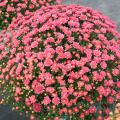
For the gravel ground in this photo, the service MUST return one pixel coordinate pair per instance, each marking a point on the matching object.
(108, 7)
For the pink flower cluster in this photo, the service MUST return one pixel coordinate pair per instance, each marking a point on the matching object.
(10, 9)
(62, 60)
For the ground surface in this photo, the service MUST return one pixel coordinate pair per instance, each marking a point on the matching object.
(110, 8)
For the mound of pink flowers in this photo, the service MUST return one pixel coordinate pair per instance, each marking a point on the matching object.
(61, 62)
(10, 9)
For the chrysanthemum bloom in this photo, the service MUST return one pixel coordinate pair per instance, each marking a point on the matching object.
(10, 9)
(62, 62)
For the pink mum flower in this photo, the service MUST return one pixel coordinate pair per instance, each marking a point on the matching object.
(39, 89)
(56, 100)
(103, 65)
(37, 107)
(92, 109)
(116, 72)
(46, 100)
(118, 84)
(32, 99)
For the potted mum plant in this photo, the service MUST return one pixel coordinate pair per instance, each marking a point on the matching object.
(61, 62)
(10, 9)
